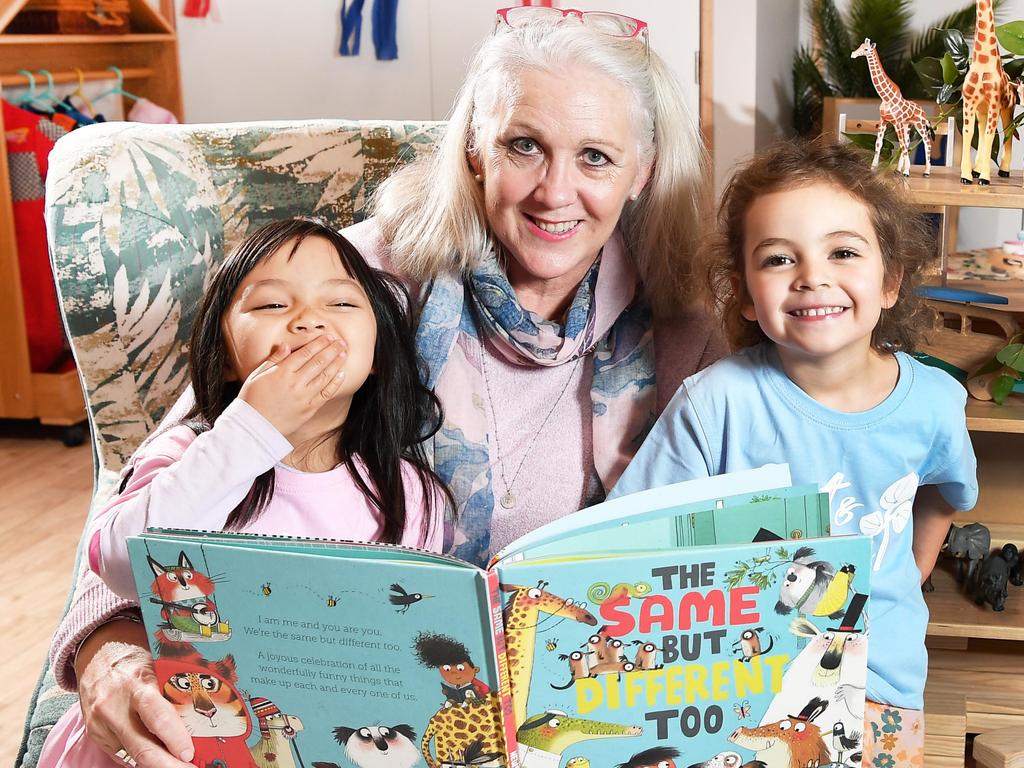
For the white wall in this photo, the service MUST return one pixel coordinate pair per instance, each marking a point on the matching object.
(267, 59)
(979, 227)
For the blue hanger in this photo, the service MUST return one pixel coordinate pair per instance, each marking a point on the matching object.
(117, 89)
(29, 98)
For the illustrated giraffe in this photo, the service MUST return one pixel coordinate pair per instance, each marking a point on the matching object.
(987, 94)
(900, 112)
(466, 735)
(521, 615)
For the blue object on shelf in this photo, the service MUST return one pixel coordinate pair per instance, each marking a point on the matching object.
(962, 295)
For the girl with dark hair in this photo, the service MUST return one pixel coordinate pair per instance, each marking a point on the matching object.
(309, 414)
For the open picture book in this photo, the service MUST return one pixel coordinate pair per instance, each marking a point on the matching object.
(711, 622)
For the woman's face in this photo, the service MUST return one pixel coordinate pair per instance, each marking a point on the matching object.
(556, 172)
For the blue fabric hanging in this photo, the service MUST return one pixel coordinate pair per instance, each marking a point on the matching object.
(385, 20)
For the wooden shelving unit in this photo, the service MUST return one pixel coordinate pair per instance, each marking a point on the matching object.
(976, 656)
(148, 57)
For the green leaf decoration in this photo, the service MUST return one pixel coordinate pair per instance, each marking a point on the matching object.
(929, 70)
(1011, 37)
(1012, 356)
(957, 48)
(950, 73)
(990, 367)
(1002, 388)
(1014, 68)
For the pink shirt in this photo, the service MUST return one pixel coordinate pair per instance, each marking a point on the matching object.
(184, 480)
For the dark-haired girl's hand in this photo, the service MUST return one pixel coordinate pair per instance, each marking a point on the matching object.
(290, 386)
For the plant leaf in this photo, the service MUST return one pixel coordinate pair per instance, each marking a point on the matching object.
(1001, 388)
(956, 46)
(1014, 68)
(950, 73)
(1011, 37)
(1012, 356)
(847, 76)
(929, 70)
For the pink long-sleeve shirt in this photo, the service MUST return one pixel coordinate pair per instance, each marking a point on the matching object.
(183, 480)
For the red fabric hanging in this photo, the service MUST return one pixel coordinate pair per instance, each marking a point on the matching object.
(196, 9)
(30, 138)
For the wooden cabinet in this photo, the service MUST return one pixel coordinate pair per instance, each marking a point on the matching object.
(976, 656)
(148, 58)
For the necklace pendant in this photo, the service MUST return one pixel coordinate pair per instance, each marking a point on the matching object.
(508, 500)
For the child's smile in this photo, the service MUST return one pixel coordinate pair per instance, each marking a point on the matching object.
(813, 272)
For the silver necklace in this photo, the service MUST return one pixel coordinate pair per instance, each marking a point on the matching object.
(508, 499)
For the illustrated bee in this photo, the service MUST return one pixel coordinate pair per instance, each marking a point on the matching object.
(551, 644)
(331, 601)
(742, 709)
(266, 588)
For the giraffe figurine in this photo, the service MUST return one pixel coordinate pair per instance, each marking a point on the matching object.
(902, 113)
(987, 94)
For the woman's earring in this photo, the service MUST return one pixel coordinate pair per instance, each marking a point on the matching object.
(479, 177)
(634, 196)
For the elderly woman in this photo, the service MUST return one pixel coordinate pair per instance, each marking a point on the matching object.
(548, 240)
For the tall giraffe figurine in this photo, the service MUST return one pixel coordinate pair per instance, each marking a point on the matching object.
(987, 94)
(900, 112)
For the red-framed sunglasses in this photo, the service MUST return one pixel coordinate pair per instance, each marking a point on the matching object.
(612, 24)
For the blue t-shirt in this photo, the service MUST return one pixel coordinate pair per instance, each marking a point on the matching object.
(744, 412)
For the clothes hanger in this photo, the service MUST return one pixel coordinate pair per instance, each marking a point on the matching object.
(80, 93)
(48, 94)
(119, 88)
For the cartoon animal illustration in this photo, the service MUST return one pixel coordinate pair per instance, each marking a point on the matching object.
(897, 111)
(404, 599)
(750, 644)
(465, 736)
(742, 709)
(841, 742)
(186, 599)
(577, 762)
(579, 668)
(991, 583)
(205, 697)
(551, 644)
(544, 737)
(820, 668)
(728, 760)
(331, 601)
(646, 655)
(521, 615)
(987, 96)
(377, 746)
(601, 591)
(266, 590)
(804, 584)
(791, 742)
(277, 735)
(655, 757)
(460, 684)
(834, 600)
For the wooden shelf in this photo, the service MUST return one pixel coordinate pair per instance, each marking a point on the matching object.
(988, 417)
(954, 614)
(943, 187)
(151, 37)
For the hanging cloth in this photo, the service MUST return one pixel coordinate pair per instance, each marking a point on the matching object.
(385, 21)
(29, 139)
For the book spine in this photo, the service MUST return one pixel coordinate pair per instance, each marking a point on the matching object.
(504, 681)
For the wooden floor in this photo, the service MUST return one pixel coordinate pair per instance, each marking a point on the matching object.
(44, 496)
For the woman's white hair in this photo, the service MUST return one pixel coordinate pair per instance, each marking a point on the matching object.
(431, 212)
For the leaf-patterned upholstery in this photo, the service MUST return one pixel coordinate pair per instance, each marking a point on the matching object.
(137, 215)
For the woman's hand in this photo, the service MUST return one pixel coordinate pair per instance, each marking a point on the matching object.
(289, 387)
(121, 703)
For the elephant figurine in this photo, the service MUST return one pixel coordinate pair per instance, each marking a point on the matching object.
(969, 544)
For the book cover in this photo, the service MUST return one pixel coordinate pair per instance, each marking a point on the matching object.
(295, 652)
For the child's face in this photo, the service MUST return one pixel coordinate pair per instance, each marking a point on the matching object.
(293, 301)
(458, 674)
(813, 272)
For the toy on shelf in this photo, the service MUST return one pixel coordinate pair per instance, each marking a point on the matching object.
(968, 544)
(992, 581)
(988, 94)
(902, 113)
(965, 336)
(996, 264)
(1002, 374)
(1012, 558)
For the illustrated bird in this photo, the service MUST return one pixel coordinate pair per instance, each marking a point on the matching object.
(834, 599)
(841, 742)
(404, 599)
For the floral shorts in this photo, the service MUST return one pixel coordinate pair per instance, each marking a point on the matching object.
(893, 737)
